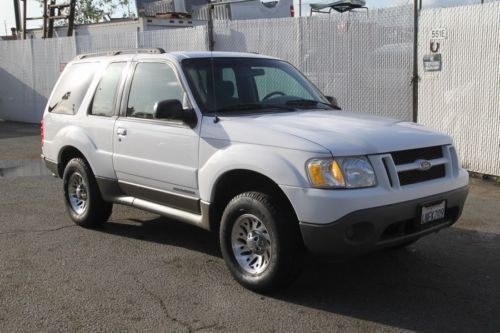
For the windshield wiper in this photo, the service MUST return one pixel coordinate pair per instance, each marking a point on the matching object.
(310, 102)
(254, 106)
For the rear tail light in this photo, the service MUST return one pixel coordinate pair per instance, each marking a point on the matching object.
(42, 134)
(292, 11)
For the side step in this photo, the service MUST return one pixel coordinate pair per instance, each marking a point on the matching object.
(199, 220)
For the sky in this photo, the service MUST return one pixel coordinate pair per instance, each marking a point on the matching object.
(7, 19)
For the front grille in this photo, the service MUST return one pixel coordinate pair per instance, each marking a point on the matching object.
(409, 177)
(410, 156)
(417, 176)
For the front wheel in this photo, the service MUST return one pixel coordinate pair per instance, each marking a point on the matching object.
(83, 199)
(260, 242)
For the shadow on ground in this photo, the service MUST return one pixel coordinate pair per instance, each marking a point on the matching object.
(446, 282)
(169, 232)
(9, 130)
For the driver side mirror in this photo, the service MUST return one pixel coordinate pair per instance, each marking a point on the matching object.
(171, 109)
(333, 101)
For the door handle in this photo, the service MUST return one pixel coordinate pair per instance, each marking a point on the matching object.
(121, 131)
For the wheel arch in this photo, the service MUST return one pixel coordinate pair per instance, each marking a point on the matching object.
(237, 181)
(66, 154)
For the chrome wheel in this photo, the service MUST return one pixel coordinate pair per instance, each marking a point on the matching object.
(251, 244)
(77, 193)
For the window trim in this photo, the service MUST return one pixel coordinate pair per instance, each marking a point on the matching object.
(128, 85)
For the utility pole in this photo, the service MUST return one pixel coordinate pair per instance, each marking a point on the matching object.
(415, 60)
(25, 5)
(210, 8)
(16, 14)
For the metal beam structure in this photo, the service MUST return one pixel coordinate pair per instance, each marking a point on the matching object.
(17, 15)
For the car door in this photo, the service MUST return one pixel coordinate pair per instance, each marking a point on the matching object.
(155, 159)
(101, 116)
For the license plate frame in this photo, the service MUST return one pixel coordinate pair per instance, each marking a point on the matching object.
(432, 212)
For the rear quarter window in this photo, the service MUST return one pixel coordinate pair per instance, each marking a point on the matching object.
(71, 88)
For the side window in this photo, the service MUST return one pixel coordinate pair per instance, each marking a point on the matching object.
(104, 97)
(152, 82)
(277, 80)
(72, 87)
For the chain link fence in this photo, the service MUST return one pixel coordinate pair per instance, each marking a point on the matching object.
(463, 98)
(30, 68)
(363, 59)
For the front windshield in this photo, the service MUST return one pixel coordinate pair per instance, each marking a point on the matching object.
(249, 84)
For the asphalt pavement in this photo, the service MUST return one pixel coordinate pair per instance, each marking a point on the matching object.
(142, 272)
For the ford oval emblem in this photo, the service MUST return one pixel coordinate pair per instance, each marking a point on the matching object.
(424, 165)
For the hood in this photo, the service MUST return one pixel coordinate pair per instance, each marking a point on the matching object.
(341, 133)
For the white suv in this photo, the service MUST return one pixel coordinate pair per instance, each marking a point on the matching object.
(245, 145)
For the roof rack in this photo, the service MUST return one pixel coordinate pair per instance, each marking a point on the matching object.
(157, 50)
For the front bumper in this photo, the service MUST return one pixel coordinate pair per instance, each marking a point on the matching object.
(376, 228)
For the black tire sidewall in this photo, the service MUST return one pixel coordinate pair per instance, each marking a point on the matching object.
(96, 209)
(247, 204)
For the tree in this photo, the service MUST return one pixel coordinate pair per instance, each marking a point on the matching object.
(94, 11)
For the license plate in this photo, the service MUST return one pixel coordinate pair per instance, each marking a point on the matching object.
(433, 212)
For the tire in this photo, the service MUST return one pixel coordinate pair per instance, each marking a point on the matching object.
(83, 199)
(260, 242)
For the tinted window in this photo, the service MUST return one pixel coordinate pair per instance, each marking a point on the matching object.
(152, 82)
(104, 97)
(72, 87)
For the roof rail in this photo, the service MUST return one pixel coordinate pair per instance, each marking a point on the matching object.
(157, 50)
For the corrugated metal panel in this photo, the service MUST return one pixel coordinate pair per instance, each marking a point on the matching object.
(463, 99)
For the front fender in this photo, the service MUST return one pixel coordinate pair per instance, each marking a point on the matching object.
(283, 166)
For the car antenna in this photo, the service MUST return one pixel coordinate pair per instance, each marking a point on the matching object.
(216, 118)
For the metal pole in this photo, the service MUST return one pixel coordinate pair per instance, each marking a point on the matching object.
(50, 29)
(300, 8)
(71, 17)
(24, 18)
(211, 42)
(44, 18)
(16, 14)
(415, 60)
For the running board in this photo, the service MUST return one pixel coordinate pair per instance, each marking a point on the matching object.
(199, 220)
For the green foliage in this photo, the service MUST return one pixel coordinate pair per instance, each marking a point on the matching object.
(94, 11)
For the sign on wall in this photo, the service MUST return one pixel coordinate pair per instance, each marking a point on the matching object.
(439, 34)
(433, 62)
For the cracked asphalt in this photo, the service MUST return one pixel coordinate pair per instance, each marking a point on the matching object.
(141, 272)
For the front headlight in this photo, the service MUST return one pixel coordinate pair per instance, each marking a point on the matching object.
(341, 172)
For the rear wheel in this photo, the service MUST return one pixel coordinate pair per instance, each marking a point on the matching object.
(84, 202)
(260, 242)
